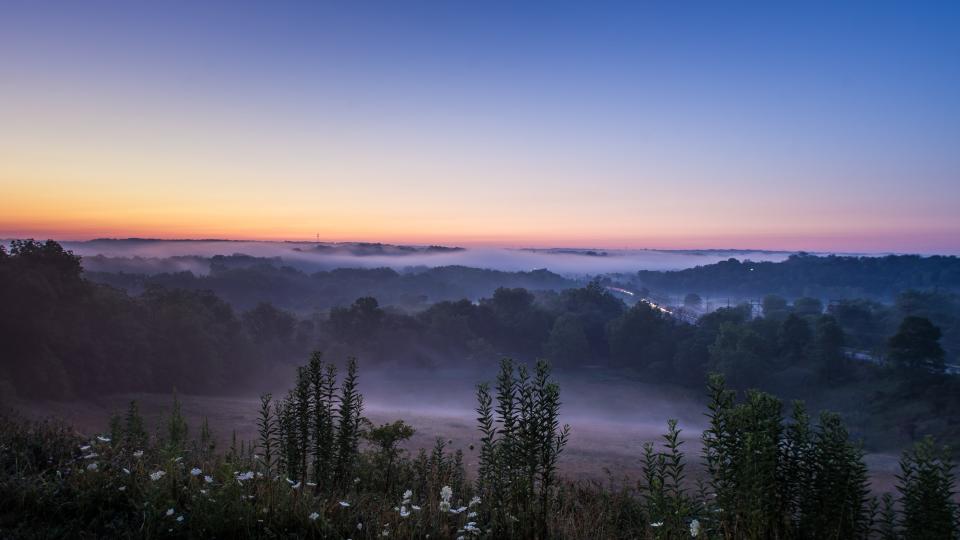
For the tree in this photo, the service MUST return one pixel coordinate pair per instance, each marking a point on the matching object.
(828, 348)
(916, 346)
(385, 438)
(926, 483)
(794, 338)
(266, 324)
(692, 301)
(567, 344)
(807, 306)
(359, 322)
(774, 307)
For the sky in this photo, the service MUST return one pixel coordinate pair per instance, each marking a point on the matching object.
(820, 126)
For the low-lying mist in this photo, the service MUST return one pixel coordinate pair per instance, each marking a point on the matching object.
(306, 255)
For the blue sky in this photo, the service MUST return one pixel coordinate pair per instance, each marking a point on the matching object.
(766, 125)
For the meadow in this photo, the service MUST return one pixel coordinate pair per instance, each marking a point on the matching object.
(312, 464)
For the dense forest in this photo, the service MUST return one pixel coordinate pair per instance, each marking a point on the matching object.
(246, 281)
(826, 277)
(67, 336)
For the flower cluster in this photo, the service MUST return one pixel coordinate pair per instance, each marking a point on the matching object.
(445, 494)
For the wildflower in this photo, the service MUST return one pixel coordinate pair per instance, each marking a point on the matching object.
(138, 453)
(445, 495)
(180, 519)
(311, 484)
(344, 504)
(122, 488)
(208, 479)
(195, 471)
(126, 470)
(177, 459)
(157, 475)
(203, 492)
(91, 455)
(472, 515)
(313, 516)
(103, 439)
(657, 524)
(244, 476)
(460, 510)
(695, 528)
(170, 512)
(404, 512)
(356, 480)
(92, 467)
(84, 448)
(295, 486)
(359, 526)
(474, 501)
(415, 508)
(407, 496)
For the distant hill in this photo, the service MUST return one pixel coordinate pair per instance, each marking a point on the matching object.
(826, 277)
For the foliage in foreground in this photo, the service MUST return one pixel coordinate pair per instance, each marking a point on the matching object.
(320, 470)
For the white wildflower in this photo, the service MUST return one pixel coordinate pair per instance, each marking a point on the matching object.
(657, 524)
(415, 508)
(170, 512)
(177, 459)
(460, 510)
(407, 496)
(404, 512)
(695, 528)
(311, 484)
(245, 476)
(295, 486)
(472, 515)
(344, 504)
(92, 467)
(84, 448)
(474, 501)
(103, 439)
(208, 479)
(313, 516)
(359, 526)
(195, 471)
(356, 480)
(138, 453)
(157, 475)
(445, 494)
(126, 470)
(91, 455)
(122, 488)
(180, 519)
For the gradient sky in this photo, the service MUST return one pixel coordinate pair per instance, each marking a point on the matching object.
(817, 126)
